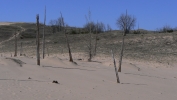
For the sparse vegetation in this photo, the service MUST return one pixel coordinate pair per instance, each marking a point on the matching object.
(99, 25)
(159, 47)
(165, 29)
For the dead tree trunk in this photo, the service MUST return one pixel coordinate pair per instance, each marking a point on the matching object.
(43, 44)
(90, 49)
(15, 45)
(64, 27)
(96, 39)
(117, 76)
(21, 49)
(90, 43)
(121, 53)
(70, 55)
(126, 23)
(37, 54)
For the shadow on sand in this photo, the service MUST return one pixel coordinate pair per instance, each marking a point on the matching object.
(29, 80)
(68, 68)
(133, 84)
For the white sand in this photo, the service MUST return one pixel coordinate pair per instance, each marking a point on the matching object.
(85, 81)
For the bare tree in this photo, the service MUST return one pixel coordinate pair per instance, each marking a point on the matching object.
(59, 24)
(99, 26)
(90, 24)
(109, 29)
(37, 39)
(92, 27)
(52, 23)
(43, 48)
(165, 29)
(15, 45)
(125, 22)
(90, 42)
(56, 25)
(64, 26)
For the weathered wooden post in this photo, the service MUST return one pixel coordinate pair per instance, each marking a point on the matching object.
(43, 48)
(117, 76)
(37, 26)
(21, 49)
(96, 39)
(15, 45)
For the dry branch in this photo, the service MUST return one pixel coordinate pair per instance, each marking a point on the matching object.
(117, 76)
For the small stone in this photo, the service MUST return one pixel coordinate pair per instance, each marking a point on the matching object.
(79, 59)
(54, 81)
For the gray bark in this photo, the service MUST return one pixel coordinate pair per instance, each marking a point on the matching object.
(15, 45)
(96, 39)
(121, 53)
(43, 48)
(37, 54)
(70, 55)
(69, 49)
(117, 76)
(90, 43)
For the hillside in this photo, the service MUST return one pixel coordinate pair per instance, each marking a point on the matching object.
(156, 47)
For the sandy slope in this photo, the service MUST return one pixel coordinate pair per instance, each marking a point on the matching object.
(6, 23)
(84, 81)
(17, 34)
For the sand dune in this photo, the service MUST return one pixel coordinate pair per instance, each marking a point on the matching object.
(6, 23)
(22, 79)
(9, 23)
